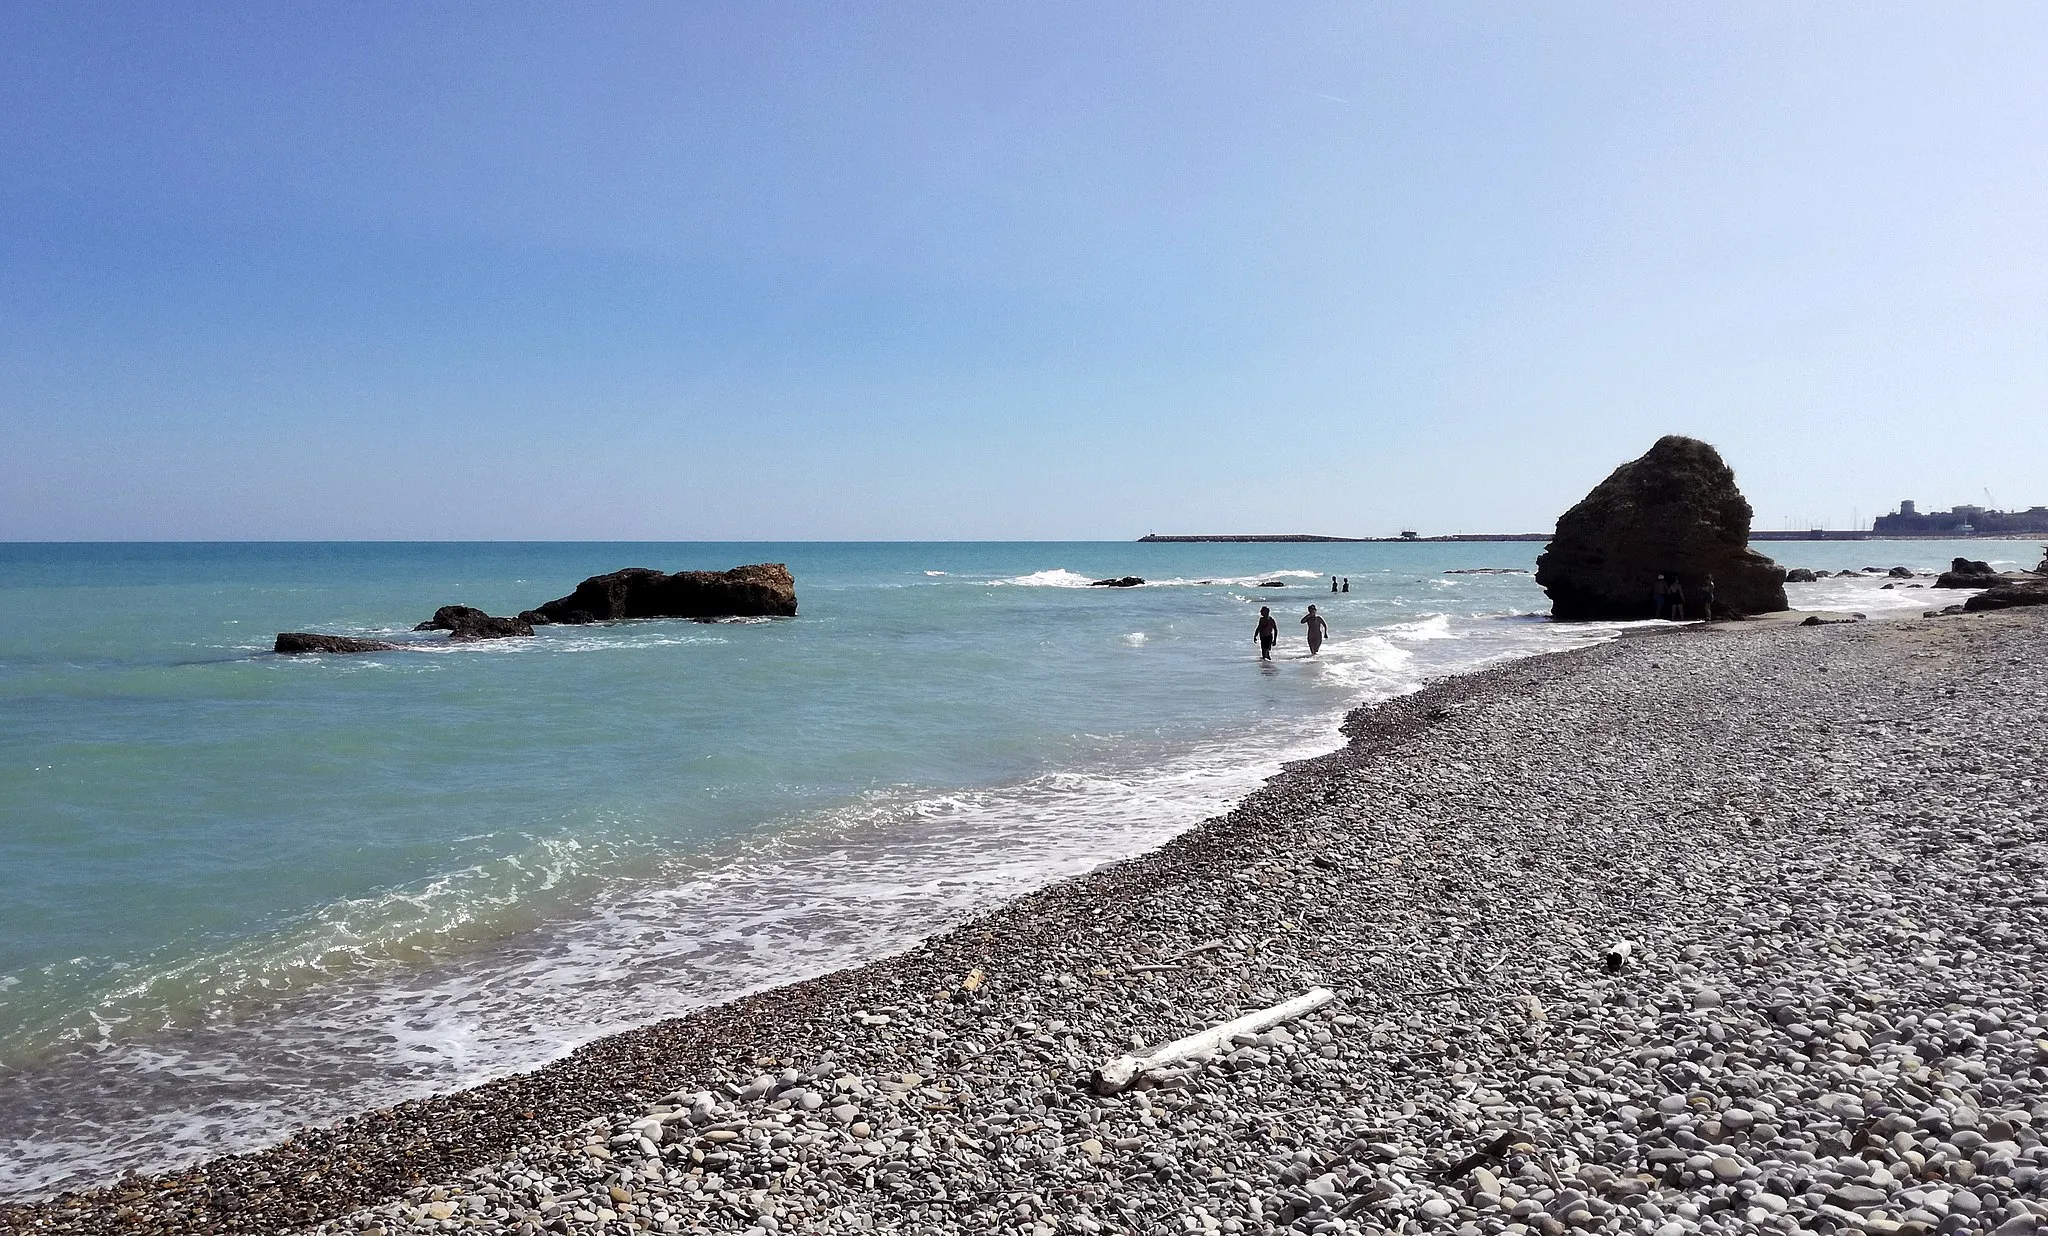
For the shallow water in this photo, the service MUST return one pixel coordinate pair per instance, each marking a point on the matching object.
(240, 892)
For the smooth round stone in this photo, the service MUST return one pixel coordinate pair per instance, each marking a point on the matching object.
(1726, 1170)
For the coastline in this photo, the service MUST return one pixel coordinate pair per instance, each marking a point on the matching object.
(1108, 953)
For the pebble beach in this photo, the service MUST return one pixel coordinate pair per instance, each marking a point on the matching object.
(1730, 929)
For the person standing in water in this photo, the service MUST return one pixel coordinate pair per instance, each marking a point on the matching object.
(1333, 583)
(1347, 583)
(1317, 630)
(1267, 633)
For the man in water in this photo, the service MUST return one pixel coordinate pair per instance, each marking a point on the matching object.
(1333, 583)
(1317, 629)
(1267, 633)
(1347, 583)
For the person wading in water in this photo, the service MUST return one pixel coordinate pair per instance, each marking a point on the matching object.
(1267, 633)
(1317, 630)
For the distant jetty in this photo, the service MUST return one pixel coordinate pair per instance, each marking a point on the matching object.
(1298, 537)
(1761, 534)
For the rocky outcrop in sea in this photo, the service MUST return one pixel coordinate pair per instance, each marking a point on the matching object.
(465, 623)
(1674, 511)
(294, 642)
(763, 590)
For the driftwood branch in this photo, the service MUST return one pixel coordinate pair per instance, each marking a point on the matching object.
(1122, 1071)
(1495, 1149)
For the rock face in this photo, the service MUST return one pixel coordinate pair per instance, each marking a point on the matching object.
(306, 641)
(465, 623)
(1970, 573)
(2009, 595)
(763, 590)
(1674, 510)
(1128, 581)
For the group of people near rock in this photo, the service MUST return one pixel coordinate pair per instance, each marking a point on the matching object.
(1667, 597)
(1267, 632)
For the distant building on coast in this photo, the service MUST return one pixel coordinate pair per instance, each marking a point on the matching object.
(1962, 521)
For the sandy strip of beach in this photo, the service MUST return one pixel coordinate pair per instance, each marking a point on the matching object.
(1823, 849)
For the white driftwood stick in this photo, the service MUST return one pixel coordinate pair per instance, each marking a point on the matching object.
(1124, 1070)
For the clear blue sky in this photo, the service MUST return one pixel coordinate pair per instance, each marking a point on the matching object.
(745, 271)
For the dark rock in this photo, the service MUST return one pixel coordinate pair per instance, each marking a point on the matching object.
(534, 618)
(1901, 572)
(1974, 578)
(1888, 587)
(1971, 566)
(1675, 510)
(765, 589)
(465, 623)
(306, 641)
(1272, 583)
(1800, 575)
(1128, 581)
(2009, 595)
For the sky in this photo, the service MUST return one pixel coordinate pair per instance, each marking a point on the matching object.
(726, 271)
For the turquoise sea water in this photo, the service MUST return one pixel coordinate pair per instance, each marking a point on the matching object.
(240, 892)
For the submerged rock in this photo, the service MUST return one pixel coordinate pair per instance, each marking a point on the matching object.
(1128, 581)
(762, 590)
(465, 623)
(1675, 510)
(306, 641)
(1800, 575)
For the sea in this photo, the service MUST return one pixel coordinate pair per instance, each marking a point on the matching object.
(242, 892)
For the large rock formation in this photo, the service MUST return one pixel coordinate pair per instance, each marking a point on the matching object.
(765, 589)
(306, 641)
(1676, 511)
(465, 623)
